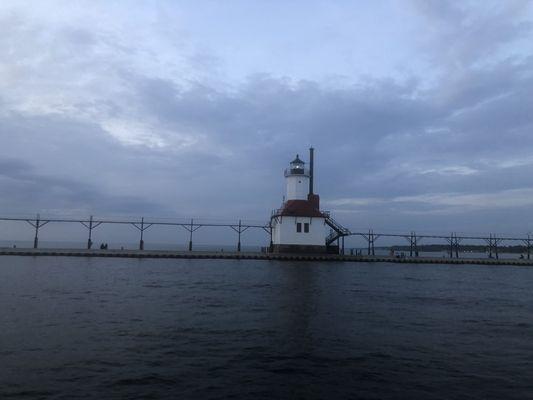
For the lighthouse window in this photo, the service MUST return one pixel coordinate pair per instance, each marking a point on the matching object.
(306, 227)
(298, 227)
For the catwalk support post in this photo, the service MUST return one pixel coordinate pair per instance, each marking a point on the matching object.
(190, 235)
(90, 225)
(141, 241)
(192, 227)
(268, 230)
(370, 238)
(493, 242)
(37, 225)
(36, 238)
(239, 241)
(454, 242)
(527, 244)
(89, 240)
(239, 229)
(141, 226)
(413, 244)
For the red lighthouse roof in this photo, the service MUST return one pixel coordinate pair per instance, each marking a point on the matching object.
(301, 208)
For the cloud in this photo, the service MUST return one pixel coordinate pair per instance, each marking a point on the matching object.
(464, 202)
(450, 170)
(462, 35)
(438, 203)
(97, 115)
(27, 190)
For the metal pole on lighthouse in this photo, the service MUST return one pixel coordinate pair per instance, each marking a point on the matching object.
(311, 167)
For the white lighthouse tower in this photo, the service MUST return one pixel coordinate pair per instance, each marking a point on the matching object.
(299, 225)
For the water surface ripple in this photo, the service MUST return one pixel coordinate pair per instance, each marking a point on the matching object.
(75, 328)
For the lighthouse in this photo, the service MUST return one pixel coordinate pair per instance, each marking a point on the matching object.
(299, 226)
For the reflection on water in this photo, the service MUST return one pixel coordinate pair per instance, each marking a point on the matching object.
(298, 305)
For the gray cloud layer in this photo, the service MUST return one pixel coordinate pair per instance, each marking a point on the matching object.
(93, 122)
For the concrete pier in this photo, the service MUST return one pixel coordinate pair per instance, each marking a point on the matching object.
(152, 254)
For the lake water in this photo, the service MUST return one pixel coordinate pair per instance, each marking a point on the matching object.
(77, 328)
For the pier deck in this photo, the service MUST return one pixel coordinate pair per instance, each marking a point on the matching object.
(152, 254)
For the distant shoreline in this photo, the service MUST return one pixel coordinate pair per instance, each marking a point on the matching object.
(434, 248)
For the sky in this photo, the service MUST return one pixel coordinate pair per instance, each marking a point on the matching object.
(420, 111)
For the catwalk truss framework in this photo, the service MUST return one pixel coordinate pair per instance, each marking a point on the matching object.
(338, 233)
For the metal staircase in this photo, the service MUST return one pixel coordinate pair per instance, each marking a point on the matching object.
(337, 231)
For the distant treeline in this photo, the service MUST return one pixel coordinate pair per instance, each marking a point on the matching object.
(466, 247)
